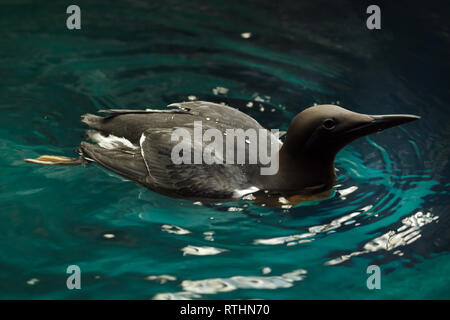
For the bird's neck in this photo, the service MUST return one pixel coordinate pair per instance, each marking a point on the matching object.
(303, 171)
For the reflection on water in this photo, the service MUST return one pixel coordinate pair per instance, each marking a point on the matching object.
(404, 235)
(201, 251)
(315, 230)
(174, 229)
(192, 289)
(270, 61)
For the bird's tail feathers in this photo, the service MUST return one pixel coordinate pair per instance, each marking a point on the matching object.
(92, 120)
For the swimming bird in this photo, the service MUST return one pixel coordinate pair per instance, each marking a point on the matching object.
(139, 145)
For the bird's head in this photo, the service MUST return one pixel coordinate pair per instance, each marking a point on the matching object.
(319, 132)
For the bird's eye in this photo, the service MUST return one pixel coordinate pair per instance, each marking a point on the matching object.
(329, 124)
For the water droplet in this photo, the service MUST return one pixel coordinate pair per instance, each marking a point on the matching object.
(33, 281)
(266, 270)
(220, 90)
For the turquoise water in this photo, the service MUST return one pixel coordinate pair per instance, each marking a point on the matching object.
(391, 205)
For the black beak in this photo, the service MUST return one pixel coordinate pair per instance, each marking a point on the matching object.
(381, 122)
(391, 120)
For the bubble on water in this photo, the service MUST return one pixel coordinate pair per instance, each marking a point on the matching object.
(109, 235)
(246, 35)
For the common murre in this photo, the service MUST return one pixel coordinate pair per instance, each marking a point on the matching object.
(138, 145)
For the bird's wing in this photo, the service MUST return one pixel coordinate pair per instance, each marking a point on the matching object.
(219, 113)
(152, 166)
(130, 124)
(200, 110)
(123, 161)
(215, 181)
(126, 111)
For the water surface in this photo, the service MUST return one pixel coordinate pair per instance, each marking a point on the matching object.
(391, 205)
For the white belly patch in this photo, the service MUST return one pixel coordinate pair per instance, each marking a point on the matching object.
(109, 142)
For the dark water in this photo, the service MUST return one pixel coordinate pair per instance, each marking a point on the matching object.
(391, 207)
